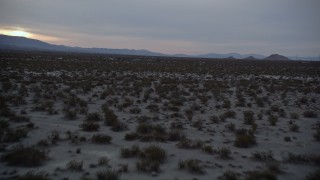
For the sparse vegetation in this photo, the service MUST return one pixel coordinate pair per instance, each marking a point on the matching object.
(75, 165)
(309, 114)
(229, 175)
(90, 126)
(204, 106)
(254, 175)
(108, 175)
(273, 120)
(101, 138)
(244, 138)
(192, 165)
(27, 156)
(34, 176)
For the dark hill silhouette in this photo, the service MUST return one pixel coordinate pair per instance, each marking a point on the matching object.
(276, 57)
(26, 44)
(250, 58)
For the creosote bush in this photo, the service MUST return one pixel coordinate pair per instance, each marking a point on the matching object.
(108, 174)
(273, 120)
(151, 158)
(154, 153)
(134, 151)
(309, 114)
(229, 175)
(90, 126)
(101, 139)
(265, 175)
(223, 152)
(93, 117)
(313, 175)
(244, 138)
(208, 149)
(75, 165)
(248, 117)
(262, 155)
(103, 161)
(192, 165)
(28, 156)
(34, 176)
(190, 144)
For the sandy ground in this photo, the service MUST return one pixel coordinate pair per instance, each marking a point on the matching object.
(268, 138)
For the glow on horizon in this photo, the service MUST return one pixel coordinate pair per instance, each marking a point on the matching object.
(20, 33)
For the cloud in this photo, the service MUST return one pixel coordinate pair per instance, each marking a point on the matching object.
(205, 24)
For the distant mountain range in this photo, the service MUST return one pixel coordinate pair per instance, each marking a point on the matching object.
(27, 44)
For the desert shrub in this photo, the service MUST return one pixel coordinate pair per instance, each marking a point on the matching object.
(53, 137)
(316, 135)
(229, 114)
(144, 128)
(130, 152)
(103, 161)
(119, 126)
(223, 152)
(294, 128)
(131, 136)
(28, 156)
(154, 153)
(175, 135)
(190, 144)
(262, 155)
(123, 168)
(70, 114)
(248, 117)
(309, 114)
(93, 117)
(101, 139)
(198, 124)
(260, 175)
(30, 125)
(90, 126)
(75, 165)
(135, 110)
(273, 120)
(231, 127)
(14, 135)
(226, 104)
(110, 117)
(108, 174)
(294, 115)
(74, 137)
(287, 139)
(151, 158)
(43, 143)
(148, 166)
(18, 119)
(208, 149)
(314, 175)
(273, 166)
(244, 138)
(301, 158)
(148, 132)
(229, 175)
(215, 119)
(260, 101)
(153, 108)
(34, 176)
(192, 165)
(176, 125)
(282, 113)
(3, 124)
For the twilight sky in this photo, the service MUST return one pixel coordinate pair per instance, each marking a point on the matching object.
(288, 27)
